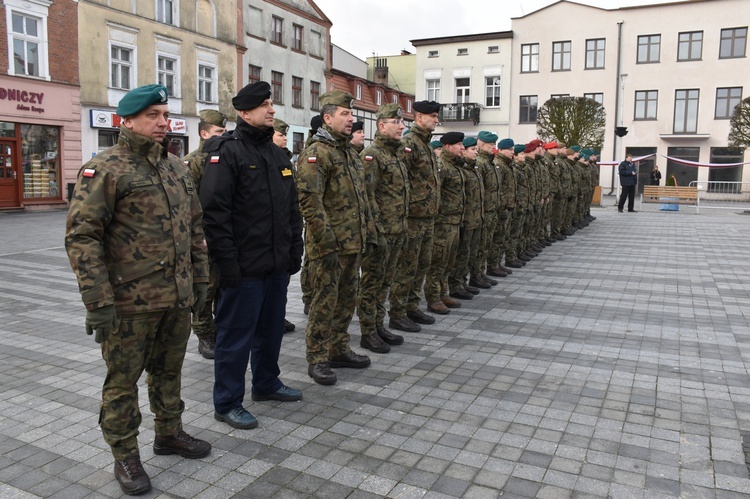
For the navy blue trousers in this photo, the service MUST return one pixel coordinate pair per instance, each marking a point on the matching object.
(249, 324)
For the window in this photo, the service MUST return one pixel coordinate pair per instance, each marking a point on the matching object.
(121, 64)
(686, 111)
(167, 74)
(315, 95)
(433, 53)
(649, 47)
(27, 40)
(316, 43)
(733, 41)
(558, 96)
(530, 58)
(254, 23)
(690, 46)
(463, 90)
(726, 100)
(528, 108)
(598, 97)
(462, 52)
(433, 90)
(395, 99)
(254, 74)
(595, 53)
(358, 91)
(40, 156)
(165, 11)
(646, 104)
(561, 56)
(408, 105)
(296, 91)
(277, 87)
(727, 174)
(379, 98)
(493, 49)
(297, 41)
(493, 91)
(277, 30)
(206, 83)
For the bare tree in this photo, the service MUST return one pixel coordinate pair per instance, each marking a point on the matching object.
(573, 120)
(739, 132)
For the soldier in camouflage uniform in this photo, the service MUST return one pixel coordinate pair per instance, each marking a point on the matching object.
(550, 151)
(333, 201)
(501, 242)
(212, 124)
(134, 238)
(522, 207)
(388, 194)
(424, 196)
(491, 180)
(571, 157)
(566, 186)
(304, 283)
(447, 226)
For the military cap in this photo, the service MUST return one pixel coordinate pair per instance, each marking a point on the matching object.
(585, 155)
(535, 143)
(561, 144)
(519, 148)
(550, 145)
(576, 148)
(505, 144)
(470, 141)
(391, 110)
(280, 126)
(140, 98)
(436, 144)
(251, 96)
(358, 125)
(587, 151)
(529, 148)
(316, 122)
(426, 107)
(337, 98)
(487, 137)
(452, 138)
(569, 151)
(213, 117)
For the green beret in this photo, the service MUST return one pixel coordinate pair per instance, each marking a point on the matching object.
(391, 110)
(487, 137)
(576, 148)
(213, 117)
(280, 126)
(587, 151)
(470, 141)
(337, 98)
(585, 155)
(435, 144)
(518, 148)
(505, 144)
(140, 98)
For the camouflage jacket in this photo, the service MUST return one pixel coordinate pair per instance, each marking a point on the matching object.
(387, 184)
(554, 173)
(195, 164)
(532, 181)
(566, 181)
(507, 183)
(452, 191)
(333, 196)
(423, 174)
(491, 179)
(544, 177)
(134, 232)
(575, 178)
(523, 202)
(473, 195)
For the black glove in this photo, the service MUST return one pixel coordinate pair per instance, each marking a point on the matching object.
(295, 265)
(102, 320)
(330, 261)
(200, 293)
(229, 274)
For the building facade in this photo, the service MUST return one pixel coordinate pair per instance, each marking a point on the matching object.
(669, 73)
(395, 71)
(288, 45)
(469, 76)
(40, 127)
(190, 47)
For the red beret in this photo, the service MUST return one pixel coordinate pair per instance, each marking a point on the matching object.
(550, 145)
(531, 146)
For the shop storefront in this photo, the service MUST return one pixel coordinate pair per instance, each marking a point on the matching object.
(40, 145)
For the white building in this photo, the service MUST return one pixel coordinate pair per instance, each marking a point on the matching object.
(469, 75)
(670, 73)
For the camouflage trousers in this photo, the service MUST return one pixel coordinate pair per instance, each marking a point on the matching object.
(559, 206)
(334, 293)
(488, 233)
(546, 218)
(304, 281)
(154, 342)
(378, 269)
(466, 255)
(406, 290)
(444, 248)
(514, 236)
(497, 247)
(203, 323)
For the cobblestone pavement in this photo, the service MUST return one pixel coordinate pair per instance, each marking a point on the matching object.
(613, 365)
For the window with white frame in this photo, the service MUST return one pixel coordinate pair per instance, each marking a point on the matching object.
(358, 91)
(530, 58)
(166, 11)
(27, 37)
(433, 90)
(493, 91)
(167, 74)
(379, 99)
(207, 83)
(395, 99)
(121, 67)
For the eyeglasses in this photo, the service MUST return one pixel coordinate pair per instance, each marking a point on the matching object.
(394, 122)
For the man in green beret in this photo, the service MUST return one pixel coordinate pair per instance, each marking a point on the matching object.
(333, 202)
(388, 194)
(212, 124)
(437, 147)
(491, 179)
(134, 238)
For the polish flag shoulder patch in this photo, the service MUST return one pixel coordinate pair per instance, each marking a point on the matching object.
(214, 159)
(368, 158)
(407, 149)
(312, 159)
(186, 163)
(88, 172)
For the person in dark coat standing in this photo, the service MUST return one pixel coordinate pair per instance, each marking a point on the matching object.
(655, 175)
(254, 234)
(628, 181)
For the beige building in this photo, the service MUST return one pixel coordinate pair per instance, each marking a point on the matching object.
(188, 46)
(469, 76)
(395, 71)
(669, 73)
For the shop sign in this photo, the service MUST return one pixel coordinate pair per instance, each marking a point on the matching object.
(107, 119)
(27, 101)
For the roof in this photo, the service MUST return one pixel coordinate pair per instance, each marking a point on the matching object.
(462, 38)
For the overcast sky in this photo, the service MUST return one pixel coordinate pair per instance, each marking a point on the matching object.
(384, 27)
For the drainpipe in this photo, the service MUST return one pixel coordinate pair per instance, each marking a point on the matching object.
(617, 103)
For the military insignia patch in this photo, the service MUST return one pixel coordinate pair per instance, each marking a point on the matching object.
(88, 172)
(214, 159)
(312, 159)
(286, 172)
(368, 158)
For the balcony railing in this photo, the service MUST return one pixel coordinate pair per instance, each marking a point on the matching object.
(463, 111)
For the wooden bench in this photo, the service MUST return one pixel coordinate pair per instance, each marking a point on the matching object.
(670, 195)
